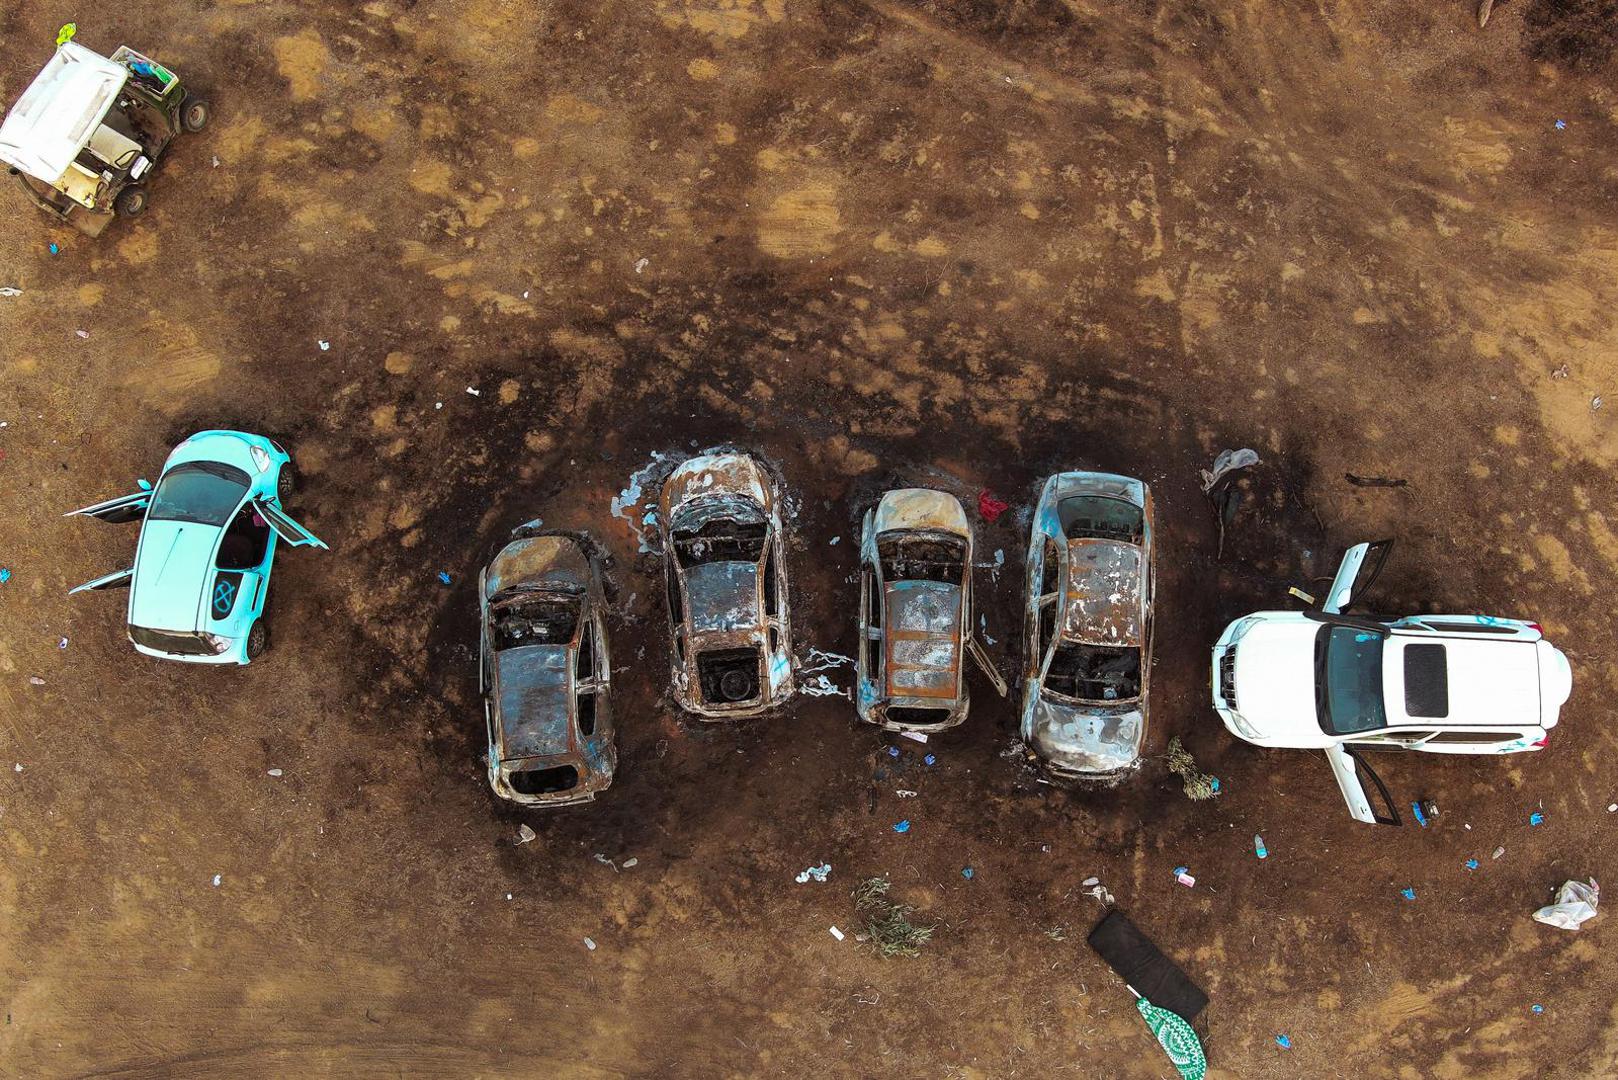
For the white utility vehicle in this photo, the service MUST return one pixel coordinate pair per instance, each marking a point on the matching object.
(1444, 684)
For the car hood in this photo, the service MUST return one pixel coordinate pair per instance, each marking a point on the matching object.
(717, 474)
(921, 509)
(173, 566)
(1275, 682)
(543, 560)
(535, 700)
(1084, 739)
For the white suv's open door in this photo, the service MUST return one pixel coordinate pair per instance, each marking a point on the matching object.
(1346, 767)
(1359, 569)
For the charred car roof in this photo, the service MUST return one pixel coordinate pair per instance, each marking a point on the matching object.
(536, 702)
(1103, 593)
(923, 639)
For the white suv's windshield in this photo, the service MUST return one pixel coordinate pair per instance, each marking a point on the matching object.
(1348, 680)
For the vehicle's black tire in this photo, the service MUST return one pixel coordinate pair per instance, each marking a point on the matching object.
(286, 482)
(258, 639)
(194, 114)
(131, 202)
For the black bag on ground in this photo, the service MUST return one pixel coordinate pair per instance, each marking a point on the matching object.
(1143, 966)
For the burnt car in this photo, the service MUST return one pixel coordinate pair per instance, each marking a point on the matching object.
(1088, 628)
(720, 519)
(916, 613)
(545, 673)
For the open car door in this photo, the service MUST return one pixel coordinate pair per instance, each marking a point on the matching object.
(287, 529)
(116, 511)
(1348, 767)
(1359, 569)
(119, 580)
(984, 665)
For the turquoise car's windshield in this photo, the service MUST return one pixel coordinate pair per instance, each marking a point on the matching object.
(1348, 680)
(201, 492)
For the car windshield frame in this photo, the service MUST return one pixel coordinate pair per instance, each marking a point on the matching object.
(200, 505)
(1050, 695)
(1349, 653)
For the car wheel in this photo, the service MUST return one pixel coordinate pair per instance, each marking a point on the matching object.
(286, 482)
(131, 202)
(194, 114)
(258, 639)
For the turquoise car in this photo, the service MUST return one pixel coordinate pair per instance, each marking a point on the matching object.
(201, 577)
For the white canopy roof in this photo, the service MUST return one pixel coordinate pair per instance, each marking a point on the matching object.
(57, 114)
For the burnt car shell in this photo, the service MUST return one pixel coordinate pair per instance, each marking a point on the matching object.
(724, 559)
(915, 612)
(545, 671)
(1087, 662)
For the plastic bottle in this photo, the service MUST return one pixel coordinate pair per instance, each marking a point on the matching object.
(1258, 847)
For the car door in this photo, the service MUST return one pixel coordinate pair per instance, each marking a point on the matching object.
(285, 527)
(483, 633)
(1359, 569)
(1480, 740)
(117, 511)
(868, 662)
(1348, 769)
(118, 580)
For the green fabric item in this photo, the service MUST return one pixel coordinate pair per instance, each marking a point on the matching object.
(1176, 1038)
(65, 34)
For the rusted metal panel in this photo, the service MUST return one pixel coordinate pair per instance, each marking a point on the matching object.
(539, 560)
(923, 640)
(536, 700)
(1104, 602)
(920, 509)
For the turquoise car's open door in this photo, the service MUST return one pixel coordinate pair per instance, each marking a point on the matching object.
(286, 528)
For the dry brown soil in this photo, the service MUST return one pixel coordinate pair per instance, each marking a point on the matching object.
(949, 242)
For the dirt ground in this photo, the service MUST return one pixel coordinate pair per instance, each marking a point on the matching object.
(951, 243)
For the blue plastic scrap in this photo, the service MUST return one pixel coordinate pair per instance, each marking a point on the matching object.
(966, 872)
(1408, 894)
(893, 751)
(1471, 864)
(903, 826)
(929, 760)
(1283, 1042)
(1561, 125)
(1421, 818)
(5, 575)
(444, 578)
(1538, 1009)
(1536, 818)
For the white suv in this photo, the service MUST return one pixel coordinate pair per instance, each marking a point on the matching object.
(1446, 684)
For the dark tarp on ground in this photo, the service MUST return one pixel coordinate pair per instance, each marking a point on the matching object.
(1143, 966)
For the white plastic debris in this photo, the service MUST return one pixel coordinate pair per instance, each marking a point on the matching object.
(217, 878)
(918, 736)
(62, 644)
(604, 861)
(438, 404)
(524, 834)
(1595, 403)
(642, 265)
(474, 391)
(836, 933)
(630, 864)
(9, 291)
(216, 161)
(82, 333)
(18, 766)
(1575, 904)
(35, 680)
(1612, 808)
(275, 772)
(324, 345)
(835, 541)
(905, 793)
(1089, 881)
(821, 687)
(589, 944)
(1227, 461)
(815, 873)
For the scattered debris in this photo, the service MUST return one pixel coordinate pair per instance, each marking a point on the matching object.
(1177, 1038)
(902, 826)
(888, 926)
(1219, 484)
(1499, 851)
(1561, 125)
(1612, 808)
(62, 644)
(1536, 1008)
(990, 507)
(836, 933)
(217, 878)
(54, 249)
(929, 760)
(815, 873)
(85, 334)
(1258, 847)
(1198, 785)
(1536, 818)
(642, 264)
(1575, 903)
(216, 161)
(1375, 481)
(1415, 810)
(474, 391)
(589, 944)
(35, 680)
(1183, 876)
(5, 575)
(277, 773)
(1595, 403)
(1307, 598)
(905, 793)
(628, 500)
(524, 835)
(444, 578)
(966, 872)
(17, 767)
(1471, 864)
(9, 291)
(1561, 372)
(1408, 893)
(915, 736)
(1283, 1042)
(630, 864)
(893, 751)
(822, 687)
(325, 346)
(604, 861)
(835, 541)
(1099, 892)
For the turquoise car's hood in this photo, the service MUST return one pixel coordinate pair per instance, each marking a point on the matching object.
(173, 566)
